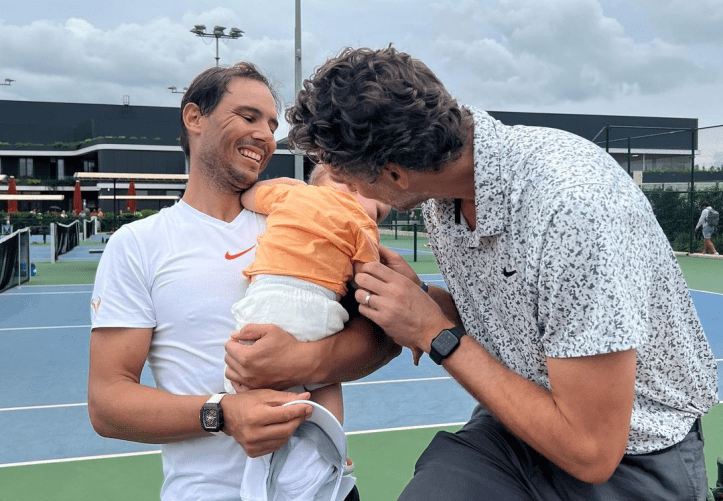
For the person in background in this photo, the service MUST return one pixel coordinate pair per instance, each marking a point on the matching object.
(163, 295)
(706, 227)
(567, 318)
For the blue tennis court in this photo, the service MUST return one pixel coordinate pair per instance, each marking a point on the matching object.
(43, 409)
(43, 366)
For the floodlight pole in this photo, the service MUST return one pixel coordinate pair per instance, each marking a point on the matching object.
(200, 31)
(298, 159)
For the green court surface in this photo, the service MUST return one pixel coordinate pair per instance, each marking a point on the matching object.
(65, 273)
(384, 460)
(384, 465)
(703, 273)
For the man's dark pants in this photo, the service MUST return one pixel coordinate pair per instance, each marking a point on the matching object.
(353, 495)
(485, 461)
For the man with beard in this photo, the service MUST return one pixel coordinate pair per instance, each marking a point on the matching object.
(164, 291)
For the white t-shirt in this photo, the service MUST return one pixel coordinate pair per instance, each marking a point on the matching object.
(179, 273)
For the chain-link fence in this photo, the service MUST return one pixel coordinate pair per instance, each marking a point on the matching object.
(677, 169)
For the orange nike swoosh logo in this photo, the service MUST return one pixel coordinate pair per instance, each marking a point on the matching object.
(234, 256)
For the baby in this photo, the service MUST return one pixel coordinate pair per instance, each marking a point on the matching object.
(314, 235)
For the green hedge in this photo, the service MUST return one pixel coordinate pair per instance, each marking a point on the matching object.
(673, 210)
(40, 223)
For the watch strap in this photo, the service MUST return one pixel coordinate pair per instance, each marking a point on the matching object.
(215, 399)
(437, 356)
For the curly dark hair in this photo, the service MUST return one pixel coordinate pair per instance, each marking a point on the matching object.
(209, 87)
(366, 108)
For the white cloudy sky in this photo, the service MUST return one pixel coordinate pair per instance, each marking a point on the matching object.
(620, 57)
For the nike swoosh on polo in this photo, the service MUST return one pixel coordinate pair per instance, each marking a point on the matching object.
(230, 256)
(508, 273)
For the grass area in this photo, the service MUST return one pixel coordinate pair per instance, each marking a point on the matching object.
(404, 241)
(384, 465)
(713, 448)
(64, 273)
(385, 461)
(114, 479)
(703, 274)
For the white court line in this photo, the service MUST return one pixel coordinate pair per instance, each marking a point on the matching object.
(147, 453)
(414, 380)
(41, 293)
(362, 383)
(84, 458)
(405, 428)
(30, 286)
(44, 328)
(38, 407)
(706, 292)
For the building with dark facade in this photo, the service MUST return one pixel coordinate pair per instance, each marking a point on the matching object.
(645, 142)
(44, 144)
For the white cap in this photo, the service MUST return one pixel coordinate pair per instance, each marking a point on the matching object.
(309, 467)
(328, 423)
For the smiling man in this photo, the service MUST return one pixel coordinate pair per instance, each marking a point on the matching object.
(163, 294)
(567, 317)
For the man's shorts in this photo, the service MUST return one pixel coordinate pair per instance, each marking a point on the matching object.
(485, 461)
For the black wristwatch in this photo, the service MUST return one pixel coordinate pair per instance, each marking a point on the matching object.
(445, 343)
(212, 413)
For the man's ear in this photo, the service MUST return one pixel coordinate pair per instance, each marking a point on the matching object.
(397, 175)
(192, 117)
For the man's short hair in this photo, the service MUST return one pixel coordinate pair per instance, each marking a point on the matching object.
(209, 87)
(366, 108)
(704, 205)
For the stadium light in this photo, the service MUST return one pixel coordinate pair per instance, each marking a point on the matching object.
(218, 32)
(8, 81)
(172, 88)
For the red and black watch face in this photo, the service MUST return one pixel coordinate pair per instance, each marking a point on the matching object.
(210, 418)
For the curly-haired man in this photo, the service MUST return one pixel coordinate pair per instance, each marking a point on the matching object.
(567, 316)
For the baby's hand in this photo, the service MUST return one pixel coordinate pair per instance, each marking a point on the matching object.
(417, 354)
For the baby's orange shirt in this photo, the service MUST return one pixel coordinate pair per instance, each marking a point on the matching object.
(314, 233)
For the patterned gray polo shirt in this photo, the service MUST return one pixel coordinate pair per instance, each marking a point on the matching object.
(568, 260)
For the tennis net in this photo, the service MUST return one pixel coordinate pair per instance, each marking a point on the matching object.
(90, 227)
(14, 259)
(63, 239)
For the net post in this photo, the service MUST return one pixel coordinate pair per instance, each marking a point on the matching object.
(19, 263)
(52, 243)
(415, 242)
